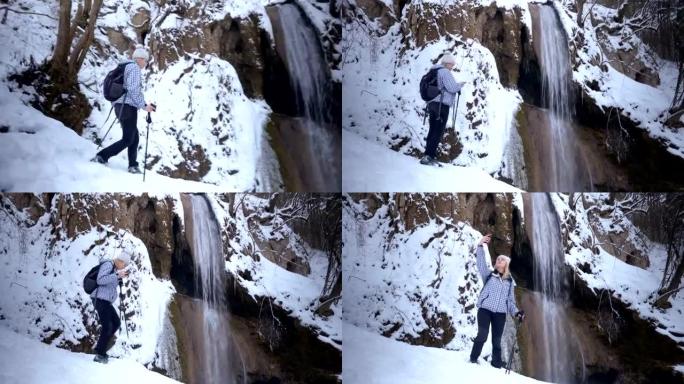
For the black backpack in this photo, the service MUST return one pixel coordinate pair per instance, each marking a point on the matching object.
(428, 85)
(90, 279)
(113, 88)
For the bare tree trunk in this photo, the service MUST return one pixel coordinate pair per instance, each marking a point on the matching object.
(59, 57)
(672, 286)
(66, 62)
(81, 48)
(580, 9)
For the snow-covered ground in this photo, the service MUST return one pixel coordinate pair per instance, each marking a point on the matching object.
(26, 360)
(40, 154)
(369, 166)
(373, 359)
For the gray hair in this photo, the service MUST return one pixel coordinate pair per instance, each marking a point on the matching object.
(448, 58)
(125, 257)
(141, 53)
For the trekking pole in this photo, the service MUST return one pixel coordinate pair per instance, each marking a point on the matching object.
(121, 310)
(107, 133)
(510, 355)
(453, 119)
(147, 140)
(118, 117)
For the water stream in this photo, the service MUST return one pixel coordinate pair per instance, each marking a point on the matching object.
(556, 352)
(309, 78)
(219, 361)
(565, 171)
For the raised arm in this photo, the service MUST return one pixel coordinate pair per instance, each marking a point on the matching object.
(482, 266)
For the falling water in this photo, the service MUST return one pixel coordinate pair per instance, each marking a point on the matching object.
(553, 335)
(217, 352)
(564, 174)
(308, 76)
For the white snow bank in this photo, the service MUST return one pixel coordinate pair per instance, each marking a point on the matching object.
(372, 359)
(367, 166)
(24, 360)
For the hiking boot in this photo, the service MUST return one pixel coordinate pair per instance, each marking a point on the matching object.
(134, 170)
(426, 160)
(474, 361)
(103, 359)
(98, 159)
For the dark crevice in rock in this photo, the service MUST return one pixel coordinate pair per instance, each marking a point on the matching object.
(522, 268)
(182, 267)
(529, 82)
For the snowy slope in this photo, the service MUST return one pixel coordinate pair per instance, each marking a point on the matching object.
(372, 359)
(632, 285)
(201, 105)
(42, 273)
(25, 360)
(368, 166)
(40, 154)
(646, 105)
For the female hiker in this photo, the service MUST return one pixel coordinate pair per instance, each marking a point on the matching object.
(496, 299)
(108, 277)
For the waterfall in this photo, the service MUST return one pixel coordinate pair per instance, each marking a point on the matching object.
(565, 174)
(553, 334)
(309, 78)
(216, 351)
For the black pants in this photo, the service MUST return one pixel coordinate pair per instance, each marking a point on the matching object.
(484, 318)
(109, 321)
(438, 119)
(128, 116)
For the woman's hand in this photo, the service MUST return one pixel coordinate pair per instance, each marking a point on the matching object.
(520, 316)
(122, 273)
(486, 239)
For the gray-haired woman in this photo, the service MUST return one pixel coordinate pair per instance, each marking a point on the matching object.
(495, 300)
(438, 108)
(108, 277)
